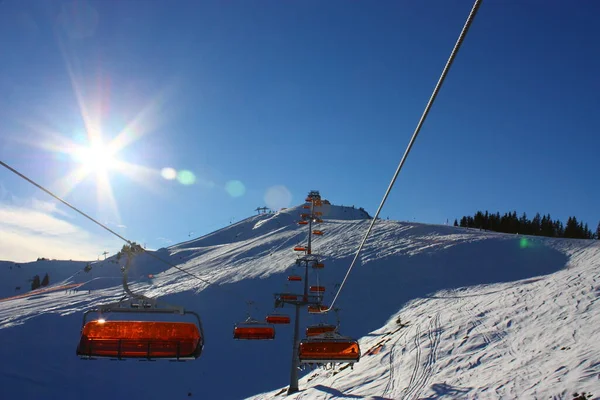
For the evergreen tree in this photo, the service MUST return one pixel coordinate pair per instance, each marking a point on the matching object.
(572, 228)
(536, 225)
(35, 283)
(456, 223)
(46, 280)
(522, 226)
(513, 223)
(587, 234)
(598, 231)
(559, 229)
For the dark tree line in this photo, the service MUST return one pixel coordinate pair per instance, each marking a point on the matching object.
(35, 282)
(538, 226)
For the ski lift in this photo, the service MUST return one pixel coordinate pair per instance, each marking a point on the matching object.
(278, 319)
(140, 339)
(302, 222)
(318, 221)
(294, 278)
(318, 265)
(317, 309)
(252, 329)
(306, 207)
(317, 232)
(292, 297)
(318, 213)
(315, 330)
(329, 347)
(299, 248)
(317, 289)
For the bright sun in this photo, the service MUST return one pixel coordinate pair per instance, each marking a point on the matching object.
(96, 158)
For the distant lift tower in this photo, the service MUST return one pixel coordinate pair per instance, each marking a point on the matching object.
(319, 347)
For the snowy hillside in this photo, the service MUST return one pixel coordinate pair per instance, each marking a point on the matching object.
(488, 315)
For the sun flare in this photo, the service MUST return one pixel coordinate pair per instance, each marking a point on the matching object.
(95, 158)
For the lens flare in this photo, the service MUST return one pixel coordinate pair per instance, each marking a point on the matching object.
(278, 197)
(168, 173)
(235, 188)
(186, 177)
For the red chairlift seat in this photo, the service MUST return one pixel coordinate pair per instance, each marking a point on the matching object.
(315, 330)
(317, 309)
(252, 329)
(288, 297)
(306, 207)
(302, 222)
(278, 319)
(140, 339)
(318, 265)
(317, 232)
(329, 348)
(317, 289)
(294, 278)
(299, 248)
(318, 213)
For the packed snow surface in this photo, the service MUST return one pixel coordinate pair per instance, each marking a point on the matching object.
(440, 312)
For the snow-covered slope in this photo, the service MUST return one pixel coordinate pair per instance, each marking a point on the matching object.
(536, 338)
(16, 277)
(487, 315)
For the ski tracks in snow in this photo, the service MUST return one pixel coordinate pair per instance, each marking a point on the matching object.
(389, 387)
(422, 371)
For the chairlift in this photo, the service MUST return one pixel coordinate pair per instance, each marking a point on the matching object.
(251, 329)
(131, 339)
(318, 265)
(317, 232)
(317, 289)
(329, 347)
(292, 297)
(278, 319)
(306, 207)
(317, 309)
(315, 330)
(302, 222)
(294, 278)
(299, 248)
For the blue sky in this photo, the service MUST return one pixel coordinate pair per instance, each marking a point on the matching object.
(265, 100)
